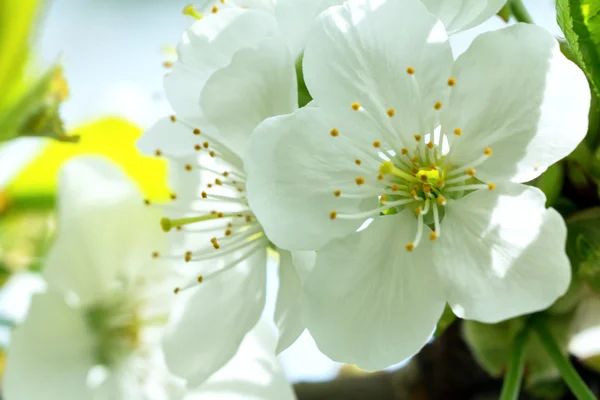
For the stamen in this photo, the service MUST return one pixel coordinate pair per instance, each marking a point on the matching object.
(375, 211)
(191, 11)
(356, 106)
(410, 70)
(334, 132)
(468, 187)
(360, 180)
(451, 82)
(458, 131)
(391, 112)
(436, 219)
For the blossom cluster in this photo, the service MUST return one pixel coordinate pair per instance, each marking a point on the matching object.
(399, 188)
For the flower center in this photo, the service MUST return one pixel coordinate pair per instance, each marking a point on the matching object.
(419, 178)
(117, 327)
(234, 232)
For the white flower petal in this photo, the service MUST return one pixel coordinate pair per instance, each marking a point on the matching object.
(502, 254)
(294, 166)
(458, 15)
(531, 111)
(210, 321)
(361, 52)
(267, 78)
(368, 301)
(105, 231)
(295, 19)
(171, 138)
(252, 374)
(293, 269)
(209, 44)
(50, 354)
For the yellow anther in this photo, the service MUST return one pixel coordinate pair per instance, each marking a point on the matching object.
(167, 64)
(404, 150)
(188, 167)
(440, 182)
(395, 188)
(173, 196)
(377, 144)
(204, 195)
(379, 177)
(337, 193)
(178, 228)
(433, 236)
(157, 153)
(218, 182)
(166, 224)
(414, 159)
(415, 170)
(173, 118)
(334, 132)
(488, 152)
(209, 186)
(332, 215)
(197, 147)
(491, 186)
(191, 11)
(356, 106)
(196, 131)
(383, 198)
(147, 202)
(418, 211)
(228, 232)
(220, 215)
(458, 132)
(430, 145)
(437, 105)
(216, 245)
(410, 70)
(417, 138)
(200, 278)
(176, 290)
(225, 174)
(410, 247)
(451, 82)
(215, 9)
(441, 201)
(391, 112)
(357, 161)
(427, 188)
(470, 172)
(212, 153)
(423, 178)
(205, 144)
(188, 256)
(360, 180)
(155, 254)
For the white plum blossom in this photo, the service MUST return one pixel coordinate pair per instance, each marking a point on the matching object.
(95, 333)
(233, 71)
(432, 152)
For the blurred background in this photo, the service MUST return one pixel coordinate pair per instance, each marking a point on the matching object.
(112, 53)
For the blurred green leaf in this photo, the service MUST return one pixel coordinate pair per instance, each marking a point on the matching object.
(16, 21)
(583, 246)
(445, 321)
(551, 183)
(580, 22)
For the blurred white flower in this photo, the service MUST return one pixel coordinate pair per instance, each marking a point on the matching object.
(15, 155)
(95, 333)
(405, 135)
(233, 71)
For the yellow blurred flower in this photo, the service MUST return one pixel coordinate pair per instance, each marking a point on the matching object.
(113, 138)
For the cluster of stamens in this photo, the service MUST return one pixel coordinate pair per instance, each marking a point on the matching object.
(234, 232)
(419, 178)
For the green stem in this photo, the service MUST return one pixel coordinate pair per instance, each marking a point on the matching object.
(520, 12)
(516, 366)
(568, 373)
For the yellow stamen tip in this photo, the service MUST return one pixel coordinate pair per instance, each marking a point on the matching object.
(437, 105)
(166, 224)
(332, 215)
(418, 211)
(410, 70)
(167, 64)
(488, 152)
(430, 145)
(441, 201)
(173, 118)
(470, 172)
(410, 247)
(458, 132)
(191, 11)
(200, 278)
(377, 144)
(188, 256)
(196, 131)
(391, 112)
(157, 153)
(356, 106)
(334, 132)
(357, 161)
(360, 180)
(433, 236)
(491, 186)
(417, 138)
(451, 82)
(155, 254)
(337, 193)
(176, 290)
(215, 9)
(404, 150)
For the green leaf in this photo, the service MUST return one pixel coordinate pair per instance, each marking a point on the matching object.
(580, 22)
(583, 246)
(445, 321)
(551, 183)
(304, 96)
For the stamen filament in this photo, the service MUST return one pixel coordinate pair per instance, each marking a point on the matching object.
(375, 211)
(467, 187)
